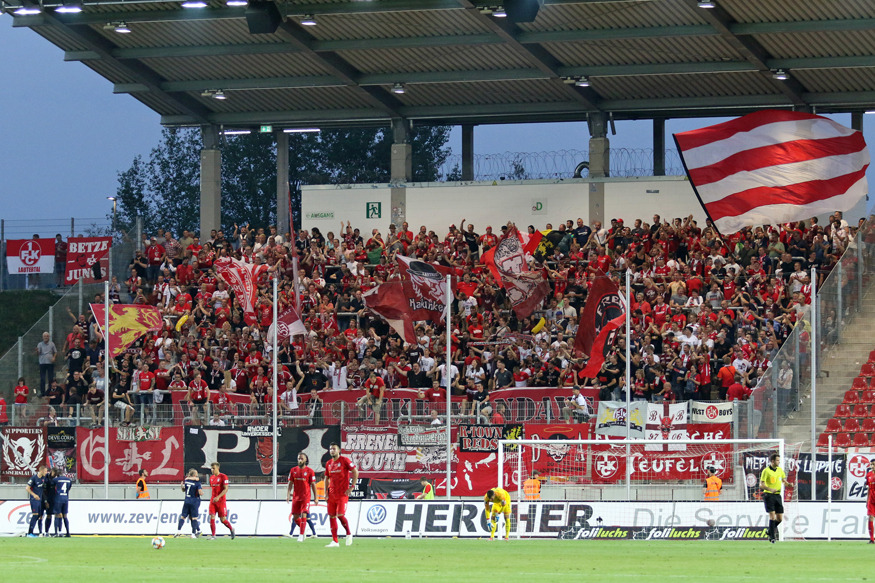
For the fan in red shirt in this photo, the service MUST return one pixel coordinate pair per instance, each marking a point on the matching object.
(302, 480)
(218, 500)
(198, 394)
(338, 487)
(21, 392)
(870, 500)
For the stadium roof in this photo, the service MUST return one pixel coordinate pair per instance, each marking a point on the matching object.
(458, 62)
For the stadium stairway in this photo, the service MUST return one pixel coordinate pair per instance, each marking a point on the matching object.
(840, 364)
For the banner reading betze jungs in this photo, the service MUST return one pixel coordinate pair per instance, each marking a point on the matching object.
(25, 256)
(82, 254)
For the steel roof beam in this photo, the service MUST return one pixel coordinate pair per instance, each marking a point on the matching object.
(750, 49)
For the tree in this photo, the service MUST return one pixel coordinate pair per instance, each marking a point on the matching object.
(165, 191)
(249, 180)
(132, 198)
(174, 179)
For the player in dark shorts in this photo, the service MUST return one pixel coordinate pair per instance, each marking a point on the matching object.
(192, 504)
(35, 487)
(62, 501)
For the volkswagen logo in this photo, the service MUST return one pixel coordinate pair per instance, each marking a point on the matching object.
(376, 514)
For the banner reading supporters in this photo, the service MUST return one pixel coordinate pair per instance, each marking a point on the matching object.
(163, 458)
(127, 322)
(611, 420)
(61, 442)
(248, 451)
(704, 412)
(28, 256)
(82, 254)
(856, 467)
(666, 421)
(24, 449)
(422, 435)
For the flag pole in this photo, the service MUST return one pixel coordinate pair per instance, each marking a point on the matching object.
(106, 389)
(275, 375)
(449, 383)
(628, 355)
(813, 364)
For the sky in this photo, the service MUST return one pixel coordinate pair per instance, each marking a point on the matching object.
(64, 136)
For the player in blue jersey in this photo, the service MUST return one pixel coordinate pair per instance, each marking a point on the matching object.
(62, 501)
(191, 507)
(35, 487)
(49, 500)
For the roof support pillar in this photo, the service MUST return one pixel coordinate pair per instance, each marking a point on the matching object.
(282, 183)
(467, 152)
(400, 170)
(857, 120)
(658, 147)
(599, 146)
(211, 180)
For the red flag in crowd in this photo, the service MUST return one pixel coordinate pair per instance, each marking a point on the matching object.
(774, 166)
(389, 301)
(289, 324)
(603, 313)
(127, 322)
(243, 279)
(525, 289)
(425, 288)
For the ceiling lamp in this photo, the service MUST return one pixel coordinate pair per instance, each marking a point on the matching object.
(301, 130)
(582, 82)
(236, 2)
(308, 20)
(237, 132)
(70, 7)
(119, 27)
(707, 4)
(220, 95)
(398, 89)
(27, 10)
(194, 4)
(780, 75)
(499, 12)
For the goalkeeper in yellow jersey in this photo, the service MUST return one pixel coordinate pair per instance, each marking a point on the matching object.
(497, 501)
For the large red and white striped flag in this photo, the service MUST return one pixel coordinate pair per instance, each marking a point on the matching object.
(243, 279)
(773, 167)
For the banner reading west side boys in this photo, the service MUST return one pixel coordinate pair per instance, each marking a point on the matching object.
(82, 254)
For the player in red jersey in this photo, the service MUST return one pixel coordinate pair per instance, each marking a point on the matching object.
(338, 487)
(870, 500)
(302, 480)
(218, 500)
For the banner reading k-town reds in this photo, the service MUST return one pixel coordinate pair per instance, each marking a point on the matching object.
(24, 449)
(24, 256)
(82, 254)
(160, 452)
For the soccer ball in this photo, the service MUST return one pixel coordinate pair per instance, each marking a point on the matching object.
(157, 543)
(711, 522)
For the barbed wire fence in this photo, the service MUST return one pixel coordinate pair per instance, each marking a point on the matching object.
(625, 162)
(48, 228)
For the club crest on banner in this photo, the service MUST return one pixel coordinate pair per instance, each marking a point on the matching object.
(24, 449)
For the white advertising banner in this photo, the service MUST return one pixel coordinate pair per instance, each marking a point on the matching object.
(438, 518)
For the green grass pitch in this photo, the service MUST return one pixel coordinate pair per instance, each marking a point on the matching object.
(385, 560)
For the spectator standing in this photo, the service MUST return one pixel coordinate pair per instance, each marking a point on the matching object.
(47, 352)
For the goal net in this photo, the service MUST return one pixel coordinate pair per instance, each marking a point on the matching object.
(654, 489)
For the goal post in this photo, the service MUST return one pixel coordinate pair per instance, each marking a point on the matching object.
(642, 484)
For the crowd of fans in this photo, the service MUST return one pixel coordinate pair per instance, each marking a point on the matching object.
(708, 316)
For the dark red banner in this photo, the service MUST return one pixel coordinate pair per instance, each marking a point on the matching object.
(161, 456)
(82, 254)
(24, 449)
